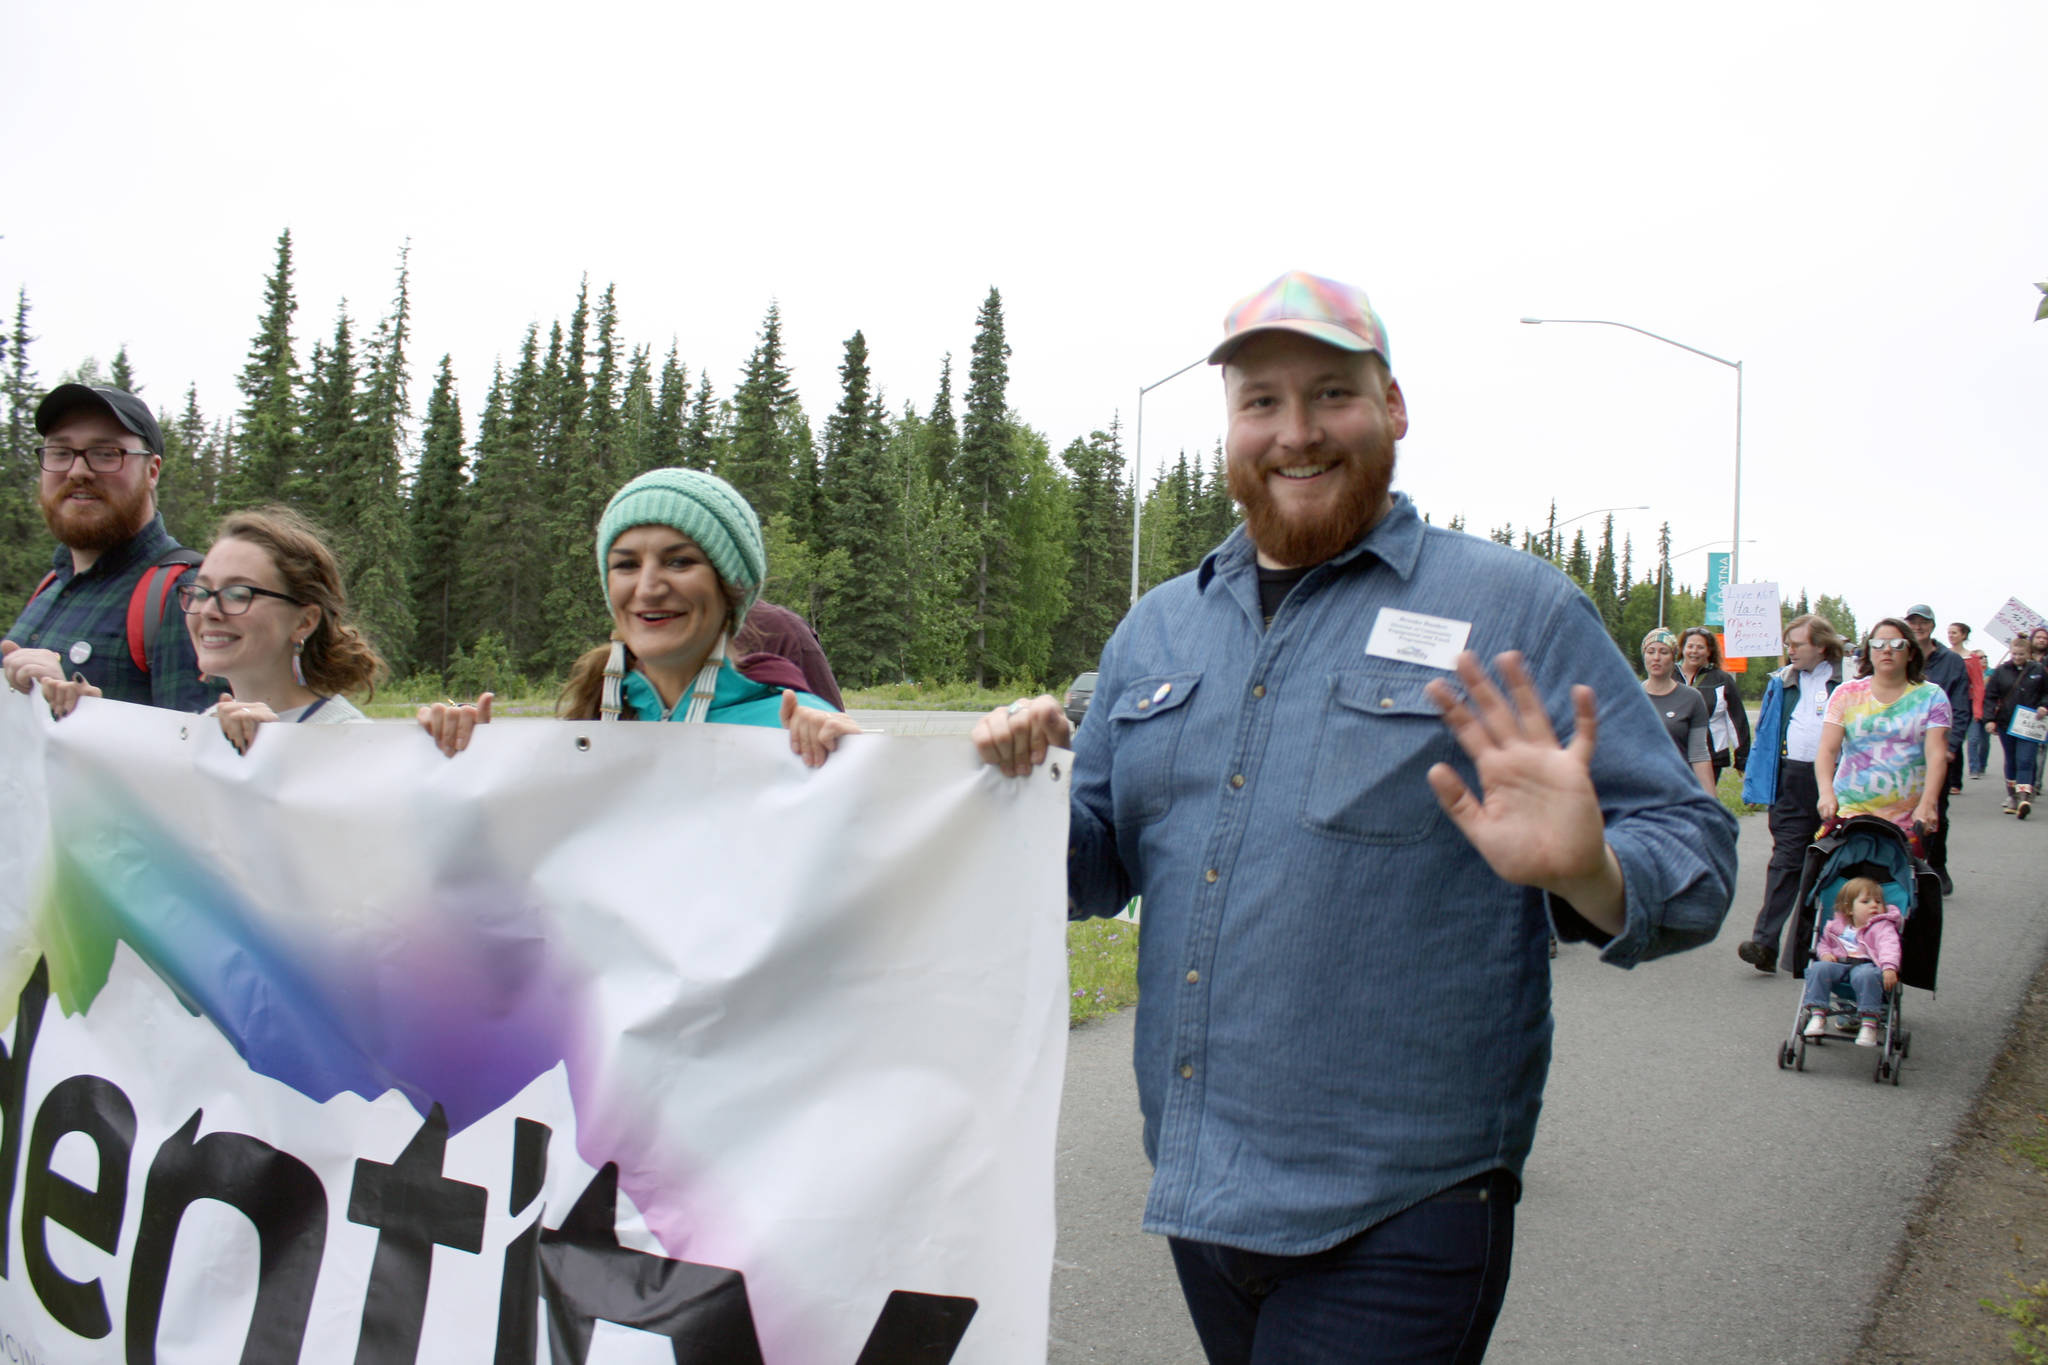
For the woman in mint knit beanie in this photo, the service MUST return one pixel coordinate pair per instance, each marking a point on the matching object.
(680, 560)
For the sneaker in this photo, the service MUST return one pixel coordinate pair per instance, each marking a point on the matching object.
(1761, 956)
(2024, 808)
(1817, 1024)
(1866, 1036)
(1948, 888)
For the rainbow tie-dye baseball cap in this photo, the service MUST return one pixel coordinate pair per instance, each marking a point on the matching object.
(1328, 310)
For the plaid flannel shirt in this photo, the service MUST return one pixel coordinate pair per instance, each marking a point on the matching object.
(87, 614)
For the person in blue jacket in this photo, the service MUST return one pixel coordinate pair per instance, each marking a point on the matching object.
(1781, 776)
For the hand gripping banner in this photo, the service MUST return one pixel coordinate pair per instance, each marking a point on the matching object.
(593, 1044)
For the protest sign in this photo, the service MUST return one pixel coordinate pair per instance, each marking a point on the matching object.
(1754, 627)
(2014, 618)
(605, 1042)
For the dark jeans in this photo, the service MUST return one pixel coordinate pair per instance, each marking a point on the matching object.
(1795, 818)
(2019, 759)
(1934, 842)
(1425, 1286)
(1977, 743)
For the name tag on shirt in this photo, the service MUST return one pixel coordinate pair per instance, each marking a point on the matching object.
(1411, 637)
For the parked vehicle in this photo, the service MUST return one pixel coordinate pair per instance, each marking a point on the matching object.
(1079, 694)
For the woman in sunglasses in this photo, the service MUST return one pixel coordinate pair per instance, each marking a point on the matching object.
(1884, 741)
(268, 615)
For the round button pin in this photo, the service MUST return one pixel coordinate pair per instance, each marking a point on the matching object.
(81, 650)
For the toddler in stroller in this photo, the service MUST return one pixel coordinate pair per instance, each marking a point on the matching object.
(1860, 950)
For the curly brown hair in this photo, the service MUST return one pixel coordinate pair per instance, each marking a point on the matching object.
(337, 658)
(1701, 633)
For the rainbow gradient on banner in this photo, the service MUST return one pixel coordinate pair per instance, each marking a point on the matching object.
(464, 1003)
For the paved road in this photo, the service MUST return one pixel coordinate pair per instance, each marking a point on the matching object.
(1686, 1200)
(917, 722)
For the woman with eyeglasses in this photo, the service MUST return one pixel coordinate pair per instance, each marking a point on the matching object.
(1884, 741)
(268, 615)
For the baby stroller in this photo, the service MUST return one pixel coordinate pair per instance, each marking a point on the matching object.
(1867, 846)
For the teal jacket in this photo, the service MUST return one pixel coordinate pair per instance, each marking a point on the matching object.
(738, 700)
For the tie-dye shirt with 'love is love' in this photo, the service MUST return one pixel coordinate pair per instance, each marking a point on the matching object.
(1883, 768)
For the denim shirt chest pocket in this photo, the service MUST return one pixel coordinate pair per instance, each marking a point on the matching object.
(1378, 738)
(1149, 716)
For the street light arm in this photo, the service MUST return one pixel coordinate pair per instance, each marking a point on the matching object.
(1644, 331)
(1145, 389)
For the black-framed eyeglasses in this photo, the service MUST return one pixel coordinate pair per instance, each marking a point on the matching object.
(233, 600)
(1888, 644)
(99, 459)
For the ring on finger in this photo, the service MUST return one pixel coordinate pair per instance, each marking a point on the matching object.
(1016, 706)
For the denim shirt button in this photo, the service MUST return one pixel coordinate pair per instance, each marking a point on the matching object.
(1259, 691)
(1237, 779)
(1209, 876)
(1187, 1073)
(1193, 977)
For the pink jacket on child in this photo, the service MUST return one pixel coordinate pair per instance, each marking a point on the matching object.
(1880, 938)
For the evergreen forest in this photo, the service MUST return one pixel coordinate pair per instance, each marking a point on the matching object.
(938, 541)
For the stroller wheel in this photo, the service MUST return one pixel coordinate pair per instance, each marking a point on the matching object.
(1883, 1070)
(1799, 1056)
(1905, 1045)
(1784, 1055)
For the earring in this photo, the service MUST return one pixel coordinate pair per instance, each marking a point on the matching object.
(298, 673)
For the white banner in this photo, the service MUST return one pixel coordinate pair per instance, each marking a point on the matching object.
(2014, 618)
(595, 1043)
(1754, 628)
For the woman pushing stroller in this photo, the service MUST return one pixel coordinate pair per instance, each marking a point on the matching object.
(1860, 948)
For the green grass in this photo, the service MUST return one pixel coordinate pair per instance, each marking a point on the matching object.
(1102, 968)
(2029, 1309)
(1730, 792)
(2032, 1147)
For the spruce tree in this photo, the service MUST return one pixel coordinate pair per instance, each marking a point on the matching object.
(641, 443)
(368, 510)
(671, 413)
(984, 477)
(856, 516)
(503, 578)
(121, 374)
(1603, 589)
(330, 430)
(1098, 584)
(942, 442)
(701, 437)
(180, 491)
(1039, 527)
(437, 511)
(24, 546)
(757, 459)
(270, 445)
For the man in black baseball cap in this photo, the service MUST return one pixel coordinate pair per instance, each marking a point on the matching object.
(1945, 669)
(101, 623)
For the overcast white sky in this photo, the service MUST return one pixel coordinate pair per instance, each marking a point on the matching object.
(1849, 198)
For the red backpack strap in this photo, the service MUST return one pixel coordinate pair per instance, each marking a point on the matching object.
(48, 579)
(147, 603)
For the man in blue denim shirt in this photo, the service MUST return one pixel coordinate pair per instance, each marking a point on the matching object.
(1350, 874)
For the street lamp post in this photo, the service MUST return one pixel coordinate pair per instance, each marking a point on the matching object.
(1138, 463)
(1735, 564)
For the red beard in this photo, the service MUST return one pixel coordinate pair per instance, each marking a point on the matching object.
(1301, 541)
(96, 527)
